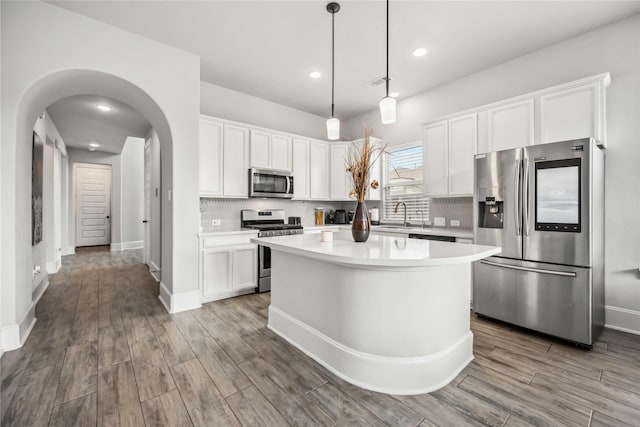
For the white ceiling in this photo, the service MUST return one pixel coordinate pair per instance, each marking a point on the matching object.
(81, 123)
(267, 48)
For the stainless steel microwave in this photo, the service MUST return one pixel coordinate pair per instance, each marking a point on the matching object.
(270, 183)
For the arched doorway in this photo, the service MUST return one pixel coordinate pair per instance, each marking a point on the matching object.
(33, 102)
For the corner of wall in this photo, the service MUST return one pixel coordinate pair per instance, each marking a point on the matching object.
(176, 303)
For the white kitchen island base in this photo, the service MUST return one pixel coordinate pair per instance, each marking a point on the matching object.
(397, 329)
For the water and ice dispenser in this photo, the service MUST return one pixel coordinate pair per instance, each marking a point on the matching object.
(491, 213)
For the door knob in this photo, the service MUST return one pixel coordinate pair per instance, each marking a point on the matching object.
(144, 221)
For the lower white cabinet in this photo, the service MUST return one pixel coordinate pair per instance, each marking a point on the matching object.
(228, 266)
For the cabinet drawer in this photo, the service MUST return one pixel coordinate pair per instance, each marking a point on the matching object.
(214, 241)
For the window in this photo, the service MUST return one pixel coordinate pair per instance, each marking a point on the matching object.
(403, 183)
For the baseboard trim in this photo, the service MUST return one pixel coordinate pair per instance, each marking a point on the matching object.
(69, 250)
(153, 267)
(39, 291)
(176, 303)
(53, 266)
(124, 246)
(13, 336)
(155, 275)
(622, 319)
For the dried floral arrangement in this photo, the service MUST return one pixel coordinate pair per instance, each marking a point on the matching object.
(360, 159)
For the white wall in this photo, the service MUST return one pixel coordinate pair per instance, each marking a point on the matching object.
(224, 103)
(132, 181)
(64, 54)
(614, 48)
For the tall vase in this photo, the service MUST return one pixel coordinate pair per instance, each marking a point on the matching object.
(360, 226)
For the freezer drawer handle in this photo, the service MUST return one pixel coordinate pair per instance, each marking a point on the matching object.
(533, 270)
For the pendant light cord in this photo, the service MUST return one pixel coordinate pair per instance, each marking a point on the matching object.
(333, 16)
(387, 79)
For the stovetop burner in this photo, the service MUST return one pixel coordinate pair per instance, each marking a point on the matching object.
(270, 222)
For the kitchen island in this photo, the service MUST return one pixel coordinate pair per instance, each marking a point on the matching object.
(389, 315)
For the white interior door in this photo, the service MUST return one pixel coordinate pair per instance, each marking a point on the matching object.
(147, 204)
(93, 204)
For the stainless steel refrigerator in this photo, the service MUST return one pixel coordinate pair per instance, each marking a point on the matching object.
(544, 205)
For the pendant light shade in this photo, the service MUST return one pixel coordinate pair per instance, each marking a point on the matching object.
(388, 104)
(388, 110)
(333, 124)
(333, 129)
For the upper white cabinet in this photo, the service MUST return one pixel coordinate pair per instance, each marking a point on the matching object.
(510, 125)
(270, 151)
(236, 161)
(301, 168)
(224, 159)
(339, 177)
(577, 111)
(211, 157)
(281, 152)
(318, 170)
(463, 142)
(449, 149)
(436, 158)
(260, 149)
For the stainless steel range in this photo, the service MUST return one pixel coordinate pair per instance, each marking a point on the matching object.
(269, 223)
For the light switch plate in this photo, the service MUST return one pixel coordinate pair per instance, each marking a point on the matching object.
(439, 221)
(455, 223)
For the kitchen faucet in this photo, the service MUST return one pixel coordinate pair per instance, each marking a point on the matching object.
(421, 212)
(404, 223)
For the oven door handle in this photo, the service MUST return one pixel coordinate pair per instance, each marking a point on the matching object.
(532, 270)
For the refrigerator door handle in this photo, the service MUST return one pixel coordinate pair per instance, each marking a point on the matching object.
(532, 270)
(525, 199)
(517, 197)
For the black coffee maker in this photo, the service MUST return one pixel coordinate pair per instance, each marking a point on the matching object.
(341, 216)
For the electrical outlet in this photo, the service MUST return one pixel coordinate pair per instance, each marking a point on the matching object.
(439, 221)
(455, 223)
(216, 222)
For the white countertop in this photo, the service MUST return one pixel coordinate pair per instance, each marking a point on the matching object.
(430, 231)
(379, 251)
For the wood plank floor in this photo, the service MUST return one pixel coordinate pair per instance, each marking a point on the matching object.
(105, 352)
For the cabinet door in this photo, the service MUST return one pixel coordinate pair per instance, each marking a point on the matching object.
(463, 139)
(300, 168)
(340, 180)
(572, 114)
(435, 159)
(260, 149)
(245, 265)
(216, 271)
(236, 161)
(281, 152)
(210, 157)
(510, 126)
(319, 168)
(376, 174)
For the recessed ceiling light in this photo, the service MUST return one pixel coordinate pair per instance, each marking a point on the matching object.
(394, 94)
(104, 107)
(93, 144)
(420, 52)
(92, 149)
(315, 74)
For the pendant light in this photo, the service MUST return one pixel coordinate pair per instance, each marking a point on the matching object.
(388, 104)
(333, 124)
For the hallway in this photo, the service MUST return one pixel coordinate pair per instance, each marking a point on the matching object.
(105, 352)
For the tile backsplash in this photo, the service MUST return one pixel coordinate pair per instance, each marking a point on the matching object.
(453, 208)
(228, 210)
